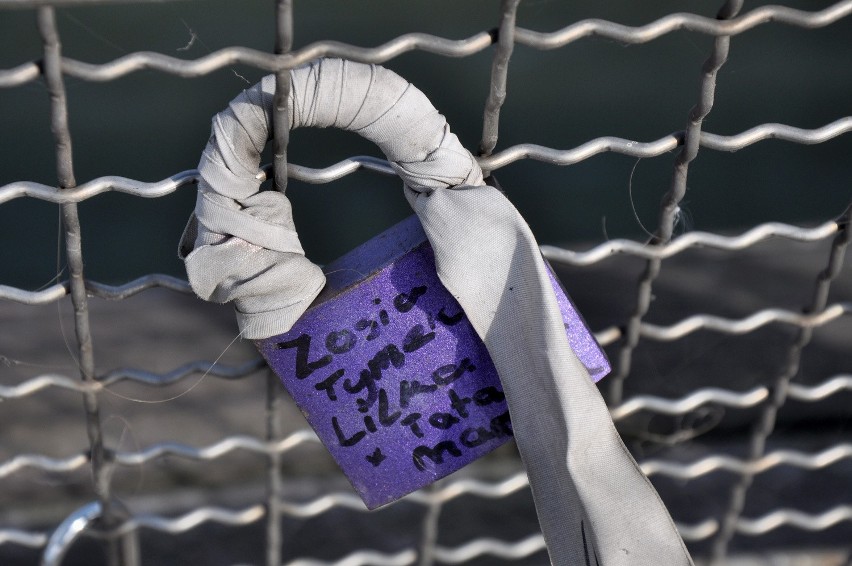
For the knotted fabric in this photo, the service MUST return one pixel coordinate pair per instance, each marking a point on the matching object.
(594, 504)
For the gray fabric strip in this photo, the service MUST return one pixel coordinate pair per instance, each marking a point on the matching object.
(594, 504)
(215, 214)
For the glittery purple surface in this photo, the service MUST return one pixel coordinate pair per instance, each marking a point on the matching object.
(395, 381)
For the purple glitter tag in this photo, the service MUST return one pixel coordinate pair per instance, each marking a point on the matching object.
(391, 375)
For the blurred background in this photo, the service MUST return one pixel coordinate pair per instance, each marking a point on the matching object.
(149, 125)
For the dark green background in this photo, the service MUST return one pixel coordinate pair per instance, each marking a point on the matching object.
(149, 125)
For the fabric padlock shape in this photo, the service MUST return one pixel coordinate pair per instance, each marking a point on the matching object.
(594, 504)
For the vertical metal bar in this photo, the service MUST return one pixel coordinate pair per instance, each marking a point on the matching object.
(118, 552)
(281, 138)
(73, 243)
(274, 483)
(280, 115)
(52, 71)
(631, 332)
(766, 422)
(499, 72)
(429, 531)
(669, 207)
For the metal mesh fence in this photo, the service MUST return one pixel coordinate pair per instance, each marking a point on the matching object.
(709, 531)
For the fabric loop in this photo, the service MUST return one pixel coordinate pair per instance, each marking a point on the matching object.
(594, 504)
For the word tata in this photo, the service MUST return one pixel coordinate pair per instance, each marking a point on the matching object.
(341, 342)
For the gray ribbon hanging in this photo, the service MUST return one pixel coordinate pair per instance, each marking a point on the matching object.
(594, 504)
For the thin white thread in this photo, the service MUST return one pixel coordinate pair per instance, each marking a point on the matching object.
(630, 198)
(182, 393)
(103, 39)
(11, 362)
(361, 274)
(682, 218)
(192, 37)
(127, 430)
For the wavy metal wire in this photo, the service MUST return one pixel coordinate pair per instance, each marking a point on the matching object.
(479, 547)
(599, 253)
(425, 42)
(510, 34)
(500, 159)
(711, 464)
(681, 406)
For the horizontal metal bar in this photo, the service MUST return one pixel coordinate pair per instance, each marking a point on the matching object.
(472, 487)
(772, 460)
(821, 391)
(322, 504)
(95, 289)
(23, 538)
(20, 75)
(698, 531)
(664, 144)
(691, 240)
(97, 186)
(312, 508)
(25, 4)
(608, 336)
(44, 463)
(211, 452)
(690, 402)
(42, 297)
(478, 547)
(585, 151)
(218, 449)
(75, 523)
(466, 486)
(778, 132)
(251, 444)
(41, 382)
(213, 369)
(458, 488)
(118, 292)
(221, 371)
(363, 558)
(796, 519)
(691, 533)
(349, 501)
(505, 550)
(623, 146)
(698, 322)
(340, 169)
(491, 547)
(683, 21)
(745, 325)
(193, 519)
(428, 43)
(229, 56)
